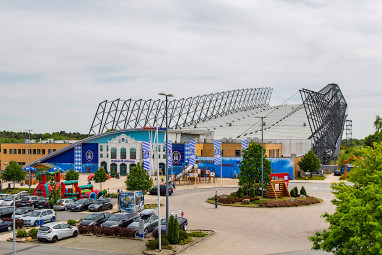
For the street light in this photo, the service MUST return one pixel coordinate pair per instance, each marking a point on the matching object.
(262, 155)
(29, 153)
(167, 96)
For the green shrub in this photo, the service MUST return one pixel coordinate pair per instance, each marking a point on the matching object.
(183, 235)
(21, 233)
(303, 191)
(240, 192)
(252, 192)
(197, 234)
(185, 241)
(33, 233)
(173, 230)
(294, 192)
(154, 244)
(71, 222)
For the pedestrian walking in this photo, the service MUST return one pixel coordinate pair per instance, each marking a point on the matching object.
(216, 200)
(173, 184)
(108, 192)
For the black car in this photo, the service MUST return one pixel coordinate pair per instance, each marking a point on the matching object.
(22, 211)
(101, 205)
(120, 220)
(6, 212)
(81, 204)
(6, 225)
(95, 219)
(337, 173)
(154, 191)
(43, 203)
(29, 201)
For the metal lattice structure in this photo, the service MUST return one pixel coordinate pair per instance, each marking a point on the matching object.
(326, 112)
(125, 114)
(349, 132)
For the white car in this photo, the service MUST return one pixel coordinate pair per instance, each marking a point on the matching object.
(34, 218)
(65, 205)
(55, 231)
(2, 197)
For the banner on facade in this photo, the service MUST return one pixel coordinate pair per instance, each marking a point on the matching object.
(217, 155)
(78, 158)
(146, 155)
(169, 154)
(244, 144)
(192, 153)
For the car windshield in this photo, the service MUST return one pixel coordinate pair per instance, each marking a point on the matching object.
(34, 214)
(20, 211)
(92, 217)
(9, 198)
(145, 218)
(24, 199)
(44, 228)
(116, 217)
(3, 196)
(78, 202)
(99, 202)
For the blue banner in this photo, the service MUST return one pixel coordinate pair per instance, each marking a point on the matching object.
(146, 155)
(178, 154)
(192, 153)
(244, 144)
(169, 153)
(217, 156)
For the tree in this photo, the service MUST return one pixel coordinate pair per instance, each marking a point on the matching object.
(72, 175)
(173, 230)
(309, 162)
(138, 179)
(378, 123)
(13, 173)
(100, 176)
(356, 226)
(55, 194)
(250, 168)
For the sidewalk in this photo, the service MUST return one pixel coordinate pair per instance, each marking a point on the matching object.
(329, 179)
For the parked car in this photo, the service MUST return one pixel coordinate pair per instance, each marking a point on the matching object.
(120, 220)
(9, 200)
(81, 204)
(100, 205)
(154, 191)
(6, 212)
(56, 231)
(22, 211)
(150, 221)
(337, 173)
(2, 197)
(34, 218)
(182, 224)
(30, 201)
(95, 219)
(65, 205)
(6, 225)
(318, 174)
(43, 203)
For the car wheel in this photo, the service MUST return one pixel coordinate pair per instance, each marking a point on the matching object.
(65, 208)
(9, 228)
(111, 207)
(54, 239)
(53, 219)
(75, 233)
(32, 206)
(36, 223)
(184, 227)
(146, 231)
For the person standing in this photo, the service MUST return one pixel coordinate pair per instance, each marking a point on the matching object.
(108, 192)
(216, 199)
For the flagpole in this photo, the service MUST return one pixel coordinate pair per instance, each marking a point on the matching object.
(221, 164)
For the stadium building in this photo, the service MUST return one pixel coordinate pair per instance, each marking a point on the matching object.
(308, 120)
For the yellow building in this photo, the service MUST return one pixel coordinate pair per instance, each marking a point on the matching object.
(272, 150)
(19, 152)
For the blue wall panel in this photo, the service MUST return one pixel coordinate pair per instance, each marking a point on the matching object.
(90, 153)
(65, 157)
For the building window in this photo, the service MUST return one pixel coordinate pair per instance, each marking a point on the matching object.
(34, 151)
(277, 153)
(14, 151)
(101, 155)
(159, 147)
(123, 153)
(107, 147)
(158, 156)
(133, 153)
(23, 151)
(49, 151)
(113, 153)
(43, 151)
(237, 153)
(10, 151)
(101, 148)
(164, 156)
(21, 163)
(19, 151)
(222, 153)
(54, 150)
(5, 151)
(29, 151)
(201, 153)
(38, 151)
(119, 141)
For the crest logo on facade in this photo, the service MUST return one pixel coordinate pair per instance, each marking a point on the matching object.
(89, 155)
(146, 154)
(217, 152)
(176, 156)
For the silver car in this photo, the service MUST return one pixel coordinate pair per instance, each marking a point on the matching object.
(64, 205)
(150, 221)
(56, 231)
(34, 218)
(2, 197)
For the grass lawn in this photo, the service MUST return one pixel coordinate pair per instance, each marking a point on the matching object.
(318, 178)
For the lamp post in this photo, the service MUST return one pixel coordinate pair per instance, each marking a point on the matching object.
(262, 156)
(29, 154)
(166, 109)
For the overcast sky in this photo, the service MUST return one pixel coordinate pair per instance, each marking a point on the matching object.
(60, 59)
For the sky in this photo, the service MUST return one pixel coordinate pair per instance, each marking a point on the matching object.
(60, 59)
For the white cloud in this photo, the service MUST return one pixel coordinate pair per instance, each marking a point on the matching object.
(61, 58)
